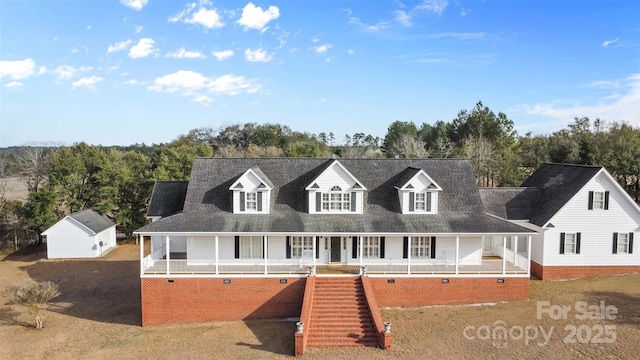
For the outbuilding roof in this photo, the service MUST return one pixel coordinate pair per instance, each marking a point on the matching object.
(93, 220)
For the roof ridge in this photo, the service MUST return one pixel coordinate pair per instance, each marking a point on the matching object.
(573, 165)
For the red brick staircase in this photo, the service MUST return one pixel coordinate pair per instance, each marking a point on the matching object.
(340, 314)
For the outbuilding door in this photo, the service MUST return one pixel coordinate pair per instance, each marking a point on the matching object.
(335, 249)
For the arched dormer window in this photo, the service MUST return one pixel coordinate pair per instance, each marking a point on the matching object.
(336, 200)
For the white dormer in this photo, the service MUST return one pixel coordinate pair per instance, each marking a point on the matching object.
(418, 193)
(252, 193)
(335, 191)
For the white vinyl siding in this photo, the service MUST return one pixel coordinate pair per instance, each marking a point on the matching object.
(596, 229)
(70, 239)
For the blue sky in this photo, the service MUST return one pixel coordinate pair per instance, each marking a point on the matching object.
(134, 71)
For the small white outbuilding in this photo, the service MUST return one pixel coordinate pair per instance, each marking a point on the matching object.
(83, 234)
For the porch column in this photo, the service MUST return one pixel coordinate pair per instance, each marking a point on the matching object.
(529, 255)
(361, 250)
(141, 241)
(264, 250)
(315, 240)
(457, 252)
(166, 238)
(504, 255)
(409, 255)
(217, 256)
(515, 251)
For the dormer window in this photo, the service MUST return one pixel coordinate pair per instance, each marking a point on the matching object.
(417, 192)
(336, 200)
(251, 192)
(420, 201)
(335, 191)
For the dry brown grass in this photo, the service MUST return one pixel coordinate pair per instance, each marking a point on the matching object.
(98, 317)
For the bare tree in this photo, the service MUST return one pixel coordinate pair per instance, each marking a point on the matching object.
(409, 146)
(34, 298)
(32, 161)
(443, 148)
(480, 153)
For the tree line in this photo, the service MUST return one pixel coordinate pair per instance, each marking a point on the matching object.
(118, 181)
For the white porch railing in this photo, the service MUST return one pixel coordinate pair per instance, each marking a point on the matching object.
(294, 266)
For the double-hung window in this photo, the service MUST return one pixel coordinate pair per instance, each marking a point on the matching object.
(371, 247)
(421, 247)
(623, 243)
(569, 243)
(251, 201)
(251, 247)
(598, 200)
(300, 244)
(421, 201)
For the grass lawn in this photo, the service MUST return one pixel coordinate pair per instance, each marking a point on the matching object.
(97, 316)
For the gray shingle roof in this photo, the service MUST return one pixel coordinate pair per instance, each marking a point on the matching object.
(511, 203)
(167, 198)
(208, 207)
(92, 220)
(559, 183)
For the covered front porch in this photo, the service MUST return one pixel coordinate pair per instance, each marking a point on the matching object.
(334, 254)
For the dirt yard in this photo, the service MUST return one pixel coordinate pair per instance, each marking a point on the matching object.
(97, 316)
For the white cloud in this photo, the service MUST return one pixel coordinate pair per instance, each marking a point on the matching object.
(66, 72)
(383, 25)
(182, 53)
(193, 84)
(620, 103)
(322, 48)
(402, 18)
(138, 28)
(203, 99)
(17, 69)
(132, 82)
(42, 70)
(143, 48)
(315, 39)
(459, 36)
(351, 51)
(257, 55)
(119, 46)
(88, 82)
(609, 42)
(208, 18)
(434, 6)
(223, 55)
(253, 17)
(134, 4)
(13, 85)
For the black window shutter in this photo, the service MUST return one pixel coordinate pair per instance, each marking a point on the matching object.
(405, 247)
(353, 201)
(630, 243)
(433, 247)
(241, 200)
(429, 201)
(606, 200)
(288, 247)
(318, 201)
(259, 200)
(382, 247)
(578, 243)
(237, 247)
(615, 243)
(412, 201)
(561, 243)
(590, 207)
(354, 247)
(318, 247)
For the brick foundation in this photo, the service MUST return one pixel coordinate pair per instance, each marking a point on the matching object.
(432, 291)
(189, 300)
(578, 272)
